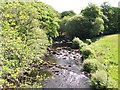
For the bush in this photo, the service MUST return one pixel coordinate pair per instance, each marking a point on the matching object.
(99, 80)
(90, 66)
(88, 41)
(23, 39)
(77, 43)
(87, 52)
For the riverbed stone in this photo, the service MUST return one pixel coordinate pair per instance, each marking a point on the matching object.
(67, 71)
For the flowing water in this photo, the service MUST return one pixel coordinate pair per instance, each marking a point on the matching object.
(68, 77)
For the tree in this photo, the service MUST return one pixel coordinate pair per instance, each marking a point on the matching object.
(77, 26)
(96, 19)
(98, 27)
(21, 35)
(48, 19)
(22, 40)
(112, 13)
(82, 27)
(92, 12)
(62, 24)
(67, 13)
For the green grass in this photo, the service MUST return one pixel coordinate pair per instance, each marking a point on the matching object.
(106, 49)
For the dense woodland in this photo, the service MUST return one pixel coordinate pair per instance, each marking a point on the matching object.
(28, 28)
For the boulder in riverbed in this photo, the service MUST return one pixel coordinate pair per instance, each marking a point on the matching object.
(54, 52)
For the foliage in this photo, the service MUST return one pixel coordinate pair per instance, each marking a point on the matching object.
(87, 52)
(24, 77)
(21, 35)
(99, 80)
(112, 14)
(67, 13)
(88, 41)
(77, 26)
(106, 50)
(95, 17)
(77, 43)
(84, 27)
(91, 65)
(92, 12)
(27, 29)
(92, 22)
(98, 27)
(22, 40)
(62, 24)
(48, 19)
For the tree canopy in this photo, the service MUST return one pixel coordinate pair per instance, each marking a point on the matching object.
(25, 34)
(92, 12)
(76, 27)
(67, 13)
(48, 19)
(62, 24)
(112, 14)
(87, 25)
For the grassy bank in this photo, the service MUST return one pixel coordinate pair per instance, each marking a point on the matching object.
(106, 50)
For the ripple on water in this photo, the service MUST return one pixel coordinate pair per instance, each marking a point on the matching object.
(70, 78)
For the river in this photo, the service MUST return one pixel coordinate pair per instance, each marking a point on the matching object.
(66, 72)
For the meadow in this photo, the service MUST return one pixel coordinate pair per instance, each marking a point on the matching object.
(106, 50)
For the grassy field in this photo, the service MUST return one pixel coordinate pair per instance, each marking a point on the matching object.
(106, 49)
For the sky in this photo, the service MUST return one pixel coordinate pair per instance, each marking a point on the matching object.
(76, 5)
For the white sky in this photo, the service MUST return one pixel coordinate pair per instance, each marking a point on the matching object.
(76, 5)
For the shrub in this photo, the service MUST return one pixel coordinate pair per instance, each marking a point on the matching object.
(90, 66)
(77, 43)
(99, 80)
(88, 41)
(23, 40)
(87, 52)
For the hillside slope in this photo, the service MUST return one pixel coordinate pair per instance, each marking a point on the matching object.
(106, 49)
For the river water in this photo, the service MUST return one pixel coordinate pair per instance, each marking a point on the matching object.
(68, 74)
